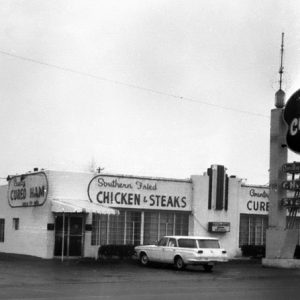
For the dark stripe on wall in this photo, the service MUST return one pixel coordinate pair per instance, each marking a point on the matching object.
(220, 188)
(226, 192)
(209, 173)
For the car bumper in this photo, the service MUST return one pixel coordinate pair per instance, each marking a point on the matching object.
(204, 261)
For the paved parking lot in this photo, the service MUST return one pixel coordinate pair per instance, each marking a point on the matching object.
(33, 278)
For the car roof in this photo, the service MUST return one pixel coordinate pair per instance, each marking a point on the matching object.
(191, 237)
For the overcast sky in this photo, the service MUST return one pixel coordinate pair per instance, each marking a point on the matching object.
(147, 88)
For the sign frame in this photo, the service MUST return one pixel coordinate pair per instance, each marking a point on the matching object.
(18, 191)
(219, 227)
(130, 192)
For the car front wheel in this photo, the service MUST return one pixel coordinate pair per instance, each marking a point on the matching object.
(179, 263)
(144, 259)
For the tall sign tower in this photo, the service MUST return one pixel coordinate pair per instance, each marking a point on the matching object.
(282, 238)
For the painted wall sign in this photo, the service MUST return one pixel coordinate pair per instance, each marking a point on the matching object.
(254, 200)
(218, 226)
(292, 118)
(27, 190)
(292, 168)
(130, 192)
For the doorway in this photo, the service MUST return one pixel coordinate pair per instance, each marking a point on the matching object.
(68, 235)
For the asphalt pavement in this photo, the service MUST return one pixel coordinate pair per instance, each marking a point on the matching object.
(23, 277)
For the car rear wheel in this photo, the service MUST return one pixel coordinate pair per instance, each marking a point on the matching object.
(144, 259)
(179, 263)
(207, 268)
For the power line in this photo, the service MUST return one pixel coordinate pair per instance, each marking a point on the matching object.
(132, 85)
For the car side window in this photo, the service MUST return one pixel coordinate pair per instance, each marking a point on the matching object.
(209, 244)
(187, 243)
(172, 243)
(163, 242)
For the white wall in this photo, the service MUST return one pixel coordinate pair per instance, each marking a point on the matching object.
(32, 238)
(202, 215)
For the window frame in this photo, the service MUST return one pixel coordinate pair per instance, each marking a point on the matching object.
(2, 230)
(16, 223)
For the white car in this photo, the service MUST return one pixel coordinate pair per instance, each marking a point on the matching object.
(182, 251)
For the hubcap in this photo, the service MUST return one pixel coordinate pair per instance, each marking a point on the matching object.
(179, 263)
(144, 259)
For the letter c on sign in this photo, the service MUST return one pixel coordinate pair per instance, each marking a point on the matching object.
(98, 197)
(293, 127)
(249, 202)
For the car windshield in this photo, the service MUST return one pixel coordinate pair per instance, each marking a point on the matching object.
(208, 244)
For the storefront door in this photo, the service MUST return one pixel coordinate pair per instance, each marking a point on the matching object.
(68, 242)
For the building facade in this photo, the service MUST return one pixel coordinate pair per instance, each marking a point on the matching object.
(65, 214)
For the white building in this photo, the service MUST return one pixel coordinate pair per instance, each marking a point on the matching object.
(99, 209)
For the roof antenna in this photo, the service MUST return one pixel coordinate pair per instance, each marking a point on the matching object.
(281, 61)
(280, 94)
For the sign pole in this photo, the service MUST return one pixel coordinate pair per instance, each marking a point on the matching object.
(63, 238)
(278, 157)
(281, 237)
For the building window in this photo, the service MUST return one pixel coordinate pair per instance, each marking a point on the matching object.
(181, 224)
(2, 227)
(166, 222)
(16, 223)
(158, 224)
(116, 228)
(253, 229)
(133, 227)
(127, 227)
(95, 230)
(108, 229)
(151, 225)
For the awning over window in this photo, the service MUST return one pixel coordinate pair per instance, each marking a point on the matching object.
(80, 206)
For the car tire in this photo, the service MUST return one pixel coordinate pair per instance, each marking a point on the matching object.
(144, 260)
(207, 268)
(179, 263)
